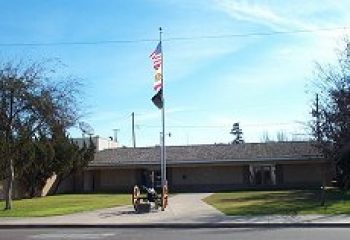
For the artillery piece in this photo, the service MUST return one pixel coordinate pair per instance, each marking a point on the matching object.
(142, 200)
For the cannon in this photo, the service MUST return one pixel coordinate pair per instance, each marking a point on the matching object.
(142, 200)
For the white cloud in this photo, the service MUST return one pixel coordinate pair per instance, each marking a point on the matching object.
(186, 57)
(285, 15)
(245, 11)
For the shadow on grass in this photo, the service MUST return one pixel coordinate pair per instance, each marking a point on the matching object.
(281, 202)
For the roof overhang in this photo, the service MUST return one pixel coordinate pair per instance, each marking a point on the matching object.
(179, 163)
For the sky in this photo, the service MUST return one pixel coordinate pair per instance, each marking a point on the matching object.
(223, 62)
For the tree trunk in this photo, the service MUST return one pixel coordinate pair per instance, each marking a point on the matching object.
(323, 196)
(9, 186)
(346, 183)
(57, 184)
(323, 188)
(9, 142)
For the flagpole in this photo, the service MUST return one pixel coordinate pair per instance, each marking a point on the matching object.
(163, 156)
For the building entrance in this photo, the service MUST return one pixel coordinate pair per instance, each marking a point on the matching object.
(262, 174)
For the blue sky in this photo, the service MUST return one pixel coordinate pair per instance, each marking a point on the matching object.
(260, 81)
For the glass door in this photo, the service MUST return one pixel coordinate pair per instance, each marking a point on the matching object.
(262, 175)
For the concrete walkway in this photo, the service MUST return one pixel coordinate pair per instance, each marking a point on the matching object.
(183, 208)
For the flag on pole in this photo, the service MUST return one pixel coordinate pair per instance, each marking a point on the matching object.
(157, 80)
(156, 57)
(158, 99)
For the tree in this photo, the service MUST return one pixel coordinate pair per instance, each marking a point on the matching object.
(35, 165)
(265, 137)
(43, 158)
(86, 155)
(31, 104)
(331, 112)
(2, 157)
(69, 158)
(281, 136)
(238, 133)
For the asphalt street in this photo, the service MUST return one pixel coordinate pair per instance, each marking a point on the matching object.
(178, 234)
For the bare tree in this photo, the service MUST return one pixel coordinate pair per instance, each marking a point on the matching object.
(265, 137)
(281, 136)
(331, 123)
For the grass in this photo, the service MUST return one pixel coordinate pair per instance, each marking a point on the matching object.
(64, 204)
(280, 202)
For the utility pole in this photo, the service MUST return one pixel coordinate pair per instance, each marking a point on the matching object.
(316, 114)
(133, 129)
(318, 120)
(116, 130)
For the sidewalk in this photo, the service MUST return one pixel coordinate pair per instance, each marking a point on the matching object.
(183, 210)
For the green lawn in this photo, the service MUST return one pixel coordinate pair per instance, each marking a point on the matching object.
(280, 202)
(63, 204)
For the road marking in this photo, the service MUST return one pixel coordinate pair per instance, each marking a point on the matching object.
(73, 236)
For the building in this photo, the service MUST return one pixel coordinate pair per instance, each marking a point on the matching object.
(99, 142)
(210, 167)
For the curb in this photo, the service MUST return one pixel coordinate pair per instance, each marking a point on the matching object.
(180, 225)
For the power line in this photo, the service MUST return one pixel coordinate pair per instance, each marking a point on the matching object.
(124, 117)
(48, 44)
(219, 36)
(297, 31)
(221, 126)
(182, 126)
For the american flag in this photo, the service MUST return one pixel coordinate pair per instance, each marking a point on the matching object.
(156, 57)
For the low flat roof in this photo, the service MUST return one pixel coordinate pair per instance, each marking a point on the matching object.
(209, 154)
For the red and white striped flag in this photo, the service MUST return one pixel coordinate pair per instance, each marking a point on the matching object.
(156, 57)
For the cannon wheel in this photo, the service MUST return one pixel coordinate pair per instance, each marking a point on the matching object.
(164, 197)
(135, 196)
(156, 203)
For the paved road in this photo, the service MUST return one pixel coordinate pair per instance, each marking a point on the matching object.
(177, 234)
